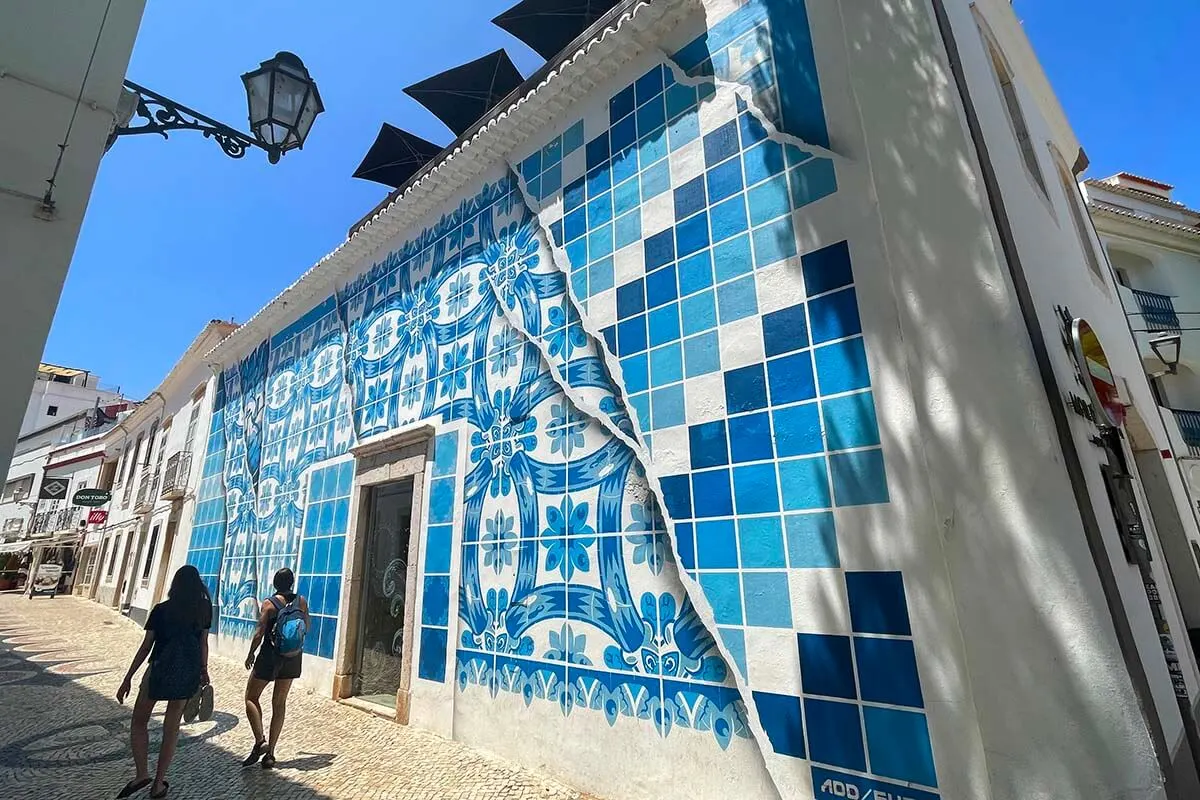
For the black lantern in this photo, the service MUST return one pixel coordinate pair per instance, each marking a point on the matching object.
(284, 102)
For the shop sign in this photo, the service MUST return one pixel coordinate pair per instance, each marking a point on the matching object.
(47, 577)
(91, 497)
(54, 488)
(1097, 375)
(97, 517)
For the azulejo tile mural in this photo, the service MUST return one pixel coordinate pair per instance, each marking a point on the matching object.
(634, 370)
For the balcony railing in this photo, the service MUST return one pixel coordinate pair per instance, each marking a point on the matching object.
(146, 492)
(60, 520)
(1158, 311)
(1189, 426)
(175, 476)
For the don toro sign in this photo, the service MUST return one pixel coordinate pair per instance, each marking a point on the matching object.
(91, 497)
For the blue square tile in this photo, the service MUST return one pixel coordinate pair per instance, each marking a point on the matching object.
(441, 501)
(755, 489)
(713, 494)
(765, 161)
(795, 156)
(628, 229)
(599, 210)
(572, 139)
(435, 600)
(431, 665)
(556, 232)
(804, 484)
(666, 366)
(716, 544)
(627, 196)
(661, 287)
(532, 167)
(652, 147)
(834, 316)
(664, 324)
(691, 235)
(732, 258)
(624, 164)
(577, 252)
(599, 180)
(842, 367)
(551, 181)
(811, 540)
(639, 405)
(702, 354)
(760, 540)
(677, 495)
(667, 406)
(631, 299)
(437, 550)
(597, 151)
(600, 275)
(621, 104)
(651, 117)
(684, 129)
(798, 430)
(736, 299)
(745, 388)
(752, 130)
(826, 666)
(631, 335)
(610, 337)
(649, 85)
(835, 734)
(723, 591)
(622, 135)
(534, 185)
(720, 144)
(774, 242)
(680, 98)
(859, 478)
(850, 421)
(337, 550)
(635, 370)
(827, 269)
(656, 179)
(735, 643)
(699, 313)
(791, 378)
(685, 545)
(782, 721)
(750, 437)
(767, 599)
(328, 638)
(600, 242)
(887, 671)
(724, 180)
(729, 219)
(445, 454)
(877, 603)
(659, 249)
(690, 198)
(785, 330)
(768, 200)
(695, 273)
(708, 445)
(812, 181)
(899, 745)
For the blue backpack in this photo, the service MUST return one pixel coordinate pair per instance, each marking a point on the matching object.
(287, 635)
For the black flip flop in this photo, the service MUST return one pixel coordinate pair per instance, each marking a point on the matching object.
(161, 794)
(135, 786)
(256, 753)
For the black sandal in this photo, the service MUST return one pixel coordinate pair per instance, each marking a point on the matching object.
(135, 786)
(260, 747)
(269, 761)
(163, 793)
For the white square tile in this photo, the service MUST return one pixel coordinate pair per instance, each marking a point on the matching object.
(658, 214)
(705, 398)
(686, 163)
(573, 166)
(717, 110)
(671, 454)
(742, 343)
(773, 660)
(629, 263)
(602, 308)
(819, 601)
(779, 286)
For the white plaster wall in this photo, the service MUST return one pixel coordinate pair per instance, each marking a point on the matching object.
(68, 398)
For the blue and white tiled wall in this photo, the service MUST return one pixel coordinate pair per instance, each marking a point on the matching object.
(621, 390)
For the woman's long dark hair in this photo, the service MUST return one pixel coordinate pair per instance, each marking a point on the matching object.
(188, 598)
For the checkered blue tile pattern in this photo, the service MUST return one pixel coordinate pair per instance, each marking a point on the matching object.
(439, 536)
(323, 552)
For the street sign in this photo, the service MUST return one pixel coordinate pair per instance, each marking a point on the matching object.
(54, 488)
(1097, 375)
(97, 516)
(91, 497)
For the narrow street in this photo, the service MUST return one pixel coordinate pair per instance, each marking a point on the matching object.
(64, 736)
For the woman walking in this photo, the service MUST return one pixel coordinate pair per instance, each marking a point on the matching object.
(283, 621)
(177, 643)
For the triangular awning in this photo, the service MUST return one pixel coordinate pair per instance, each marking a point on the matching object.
(459, 97)
(548, 26)
(395, 157)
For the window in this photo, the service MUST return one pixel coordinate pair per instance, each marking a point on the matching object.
(112, 559)
(61, 379)
(51, 411)
(150, 556)
(17, 489)
(150, 443)
(193, 421)
(1074, 199)
(1012, 108)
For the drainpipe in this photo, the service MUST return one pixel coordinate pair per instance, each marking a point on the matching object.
(1062, 425)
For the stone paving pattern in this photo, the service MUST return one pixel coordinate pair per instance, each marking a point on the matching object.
(63, 735)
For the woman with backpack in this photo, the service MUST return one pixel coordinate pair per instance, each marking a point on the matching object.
(177, 643)
(283, 622)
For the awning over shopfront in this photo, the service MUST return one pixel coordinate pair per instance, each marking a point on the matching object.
(65, 539)
(548, 26)
(460, 96)
(395, 157)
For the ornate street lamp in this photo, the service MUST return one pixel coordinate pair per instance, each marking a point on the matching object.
(282, 98)
(1166, 347)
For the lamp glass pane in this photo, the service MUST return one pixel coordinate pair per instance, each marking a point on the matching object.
(258, 96)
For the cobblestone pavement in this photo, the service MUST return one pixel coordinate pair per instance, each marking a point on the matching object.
(64, 737)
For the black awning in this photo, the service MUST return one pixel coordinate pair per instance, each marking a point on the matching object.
(395, 157)
(548, 26)
(459, 97)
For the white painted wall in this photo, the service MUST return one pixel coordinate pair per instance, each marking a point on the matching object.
(65, 398)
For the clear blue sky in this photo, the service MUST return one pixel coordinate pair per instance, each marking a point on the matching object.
(177, 233)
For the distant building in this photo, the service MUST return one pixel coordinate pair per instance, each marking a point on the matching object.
(60, 392)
